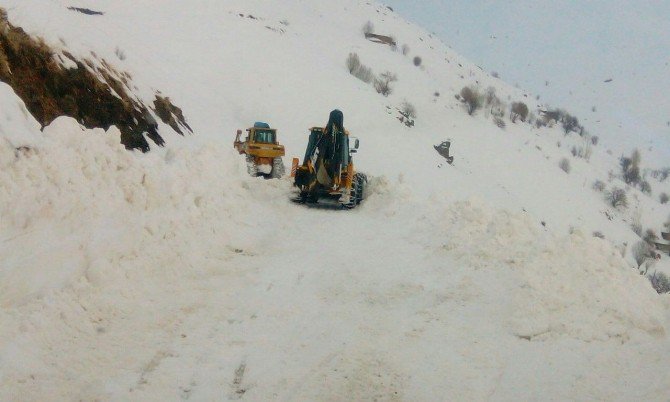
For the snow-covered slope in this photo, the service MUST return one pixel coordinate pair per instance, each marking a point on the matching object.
(173, 275)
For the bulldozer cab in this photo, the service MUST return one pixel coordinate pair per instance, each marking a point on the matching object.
(262, 149)
(260, 142)
(262, 135)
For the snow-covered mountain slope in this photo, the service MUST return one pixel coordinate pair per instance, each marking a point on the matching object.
(173, 275)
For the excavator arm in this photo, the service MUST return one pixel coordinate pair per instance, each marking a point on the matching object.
(327, 169)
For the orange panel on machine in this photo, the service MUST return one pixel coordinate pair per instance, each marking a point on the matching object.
(294, 166)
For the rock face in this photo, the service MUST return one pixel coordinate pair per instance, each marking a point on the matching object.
(54, 84)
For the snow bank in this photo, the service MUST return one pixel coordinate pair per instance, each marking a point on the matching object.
(576, 286)
(78, 196)
(102, 250)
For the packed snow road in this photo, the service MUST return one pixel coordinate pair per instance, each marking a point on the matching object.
(160, 277)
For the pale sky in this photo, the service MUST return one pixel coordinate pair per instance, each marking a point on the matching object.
(575, 46)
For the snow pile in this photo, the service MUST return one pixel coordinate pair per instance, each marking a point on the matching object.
(82, 197)
(103, 250)
(387, 196)
(577, 286)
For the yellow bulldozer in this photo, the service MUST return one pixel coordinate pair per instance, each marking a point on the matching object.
(328, 170)
(262, 150)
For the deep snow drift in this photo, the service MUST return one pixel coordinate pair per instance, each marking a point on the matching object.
(172, 275)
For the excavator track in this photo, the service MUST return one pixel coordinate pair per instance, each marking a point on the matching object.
(357, 191)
